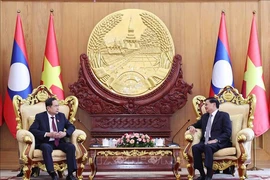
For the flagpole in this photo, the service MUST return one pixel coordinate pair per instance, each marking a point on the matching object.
(261, 116)
(254, 168)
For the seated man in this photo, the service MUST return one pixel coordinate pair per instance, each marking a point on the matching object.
(216, 129)
(48, 129)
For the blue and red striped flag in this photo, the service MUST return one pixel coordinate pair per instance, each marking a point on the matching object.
(19, 80)
(222, 74)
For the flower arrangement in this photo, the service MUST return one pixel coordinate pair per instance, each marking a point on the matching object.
(135, 140)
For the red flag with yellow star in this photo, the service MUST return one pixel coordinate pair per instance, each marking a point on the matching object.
(51, 71)
(253, 83)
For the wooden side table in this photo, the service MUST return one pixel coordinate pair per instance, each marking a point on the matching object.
(134, 159)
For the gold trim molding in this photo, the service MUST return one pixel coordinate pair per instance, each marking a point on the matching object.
(135, 153)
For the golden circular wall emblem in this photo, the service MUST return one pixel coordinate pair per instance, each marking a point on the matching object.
(130, 52)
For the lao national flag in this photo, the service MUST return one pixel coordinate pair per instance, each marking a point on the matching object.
(222, 74)
(19, 80)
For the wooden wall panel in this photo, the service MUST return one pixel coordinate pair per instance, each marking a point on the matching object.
(70, 31)
(193, 25)
(177, 31)
(208, 35)
(236, 22)
(264, 32)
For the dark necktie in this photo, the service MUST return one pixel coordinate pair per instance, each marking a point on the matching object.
(208, 129)
(56, 140)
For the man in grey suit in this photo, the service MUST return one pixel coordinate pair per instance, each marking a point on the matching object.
(216, 133)
(49, 128)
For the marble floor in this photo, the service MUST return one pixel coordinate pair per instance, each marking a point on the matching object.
(263, 174)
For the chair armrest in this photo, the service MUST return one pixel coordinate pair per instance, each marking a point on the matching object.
(247, 132)
(193, 138)
(187, 155)
(244, 140)
(26, 142)
(77, 138)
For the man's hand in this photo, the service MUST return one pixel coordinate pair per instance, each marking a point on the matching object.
(58, 135)
(192, 129)
(51, 134)
(61, 134)
(212, 141)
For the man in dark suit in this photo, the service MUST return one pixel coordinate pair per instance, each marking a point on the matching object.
(216, 133)
(50, 128)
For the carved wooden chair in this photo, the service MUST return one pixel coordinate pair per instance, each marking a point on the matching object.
(25, 110)
(241, 112)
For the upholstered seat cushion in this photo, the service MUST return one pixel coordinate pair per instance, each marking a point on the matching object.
(55, 153)
(230, 151)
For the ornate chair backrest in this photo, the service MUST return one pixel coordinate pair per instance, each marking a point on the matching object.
(26, 109)
(241, 110)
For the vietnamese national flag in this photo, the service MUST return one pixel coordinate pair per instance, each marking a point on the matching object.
(19, 80)
(51, 71)
(253, 83)
(222, 74)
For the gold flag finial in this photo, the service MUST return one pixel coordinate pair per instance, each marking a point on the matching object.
(223, 11)
(18, 11)
(51, 10)
(254, 12)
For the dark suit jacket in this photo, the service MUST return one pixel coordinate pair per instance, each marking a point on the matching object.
(41, 125)
(221, 128)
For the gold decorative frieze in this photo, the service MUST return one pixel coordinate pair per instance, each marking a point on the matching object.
(221, 165)
(134, 152)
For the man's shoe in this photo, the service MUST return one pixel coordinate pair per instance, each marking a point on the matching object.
(200, 178)
(208, 178)
(71, 177)
(229, 170)
(54, 176)
(20, 173)
(35, 172)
